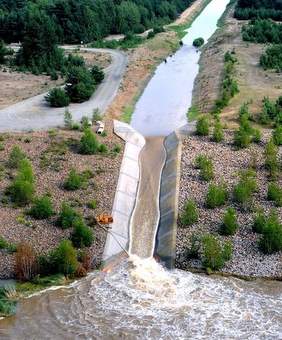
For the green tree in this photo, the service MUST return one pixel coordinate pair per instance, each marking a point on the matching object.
(42, 208)
(88, 144)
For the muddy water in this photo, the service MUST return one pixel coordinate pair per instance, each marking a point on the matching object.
(163, 106)
(141, 300)
(145, 217)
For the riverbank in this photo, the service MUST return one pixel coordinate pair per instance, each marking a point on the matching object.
(53, 154)
(247, 259)
(144, 59)
(254, 82)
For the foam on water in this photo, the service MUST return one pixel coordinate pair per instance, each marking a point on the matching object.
(139, 299)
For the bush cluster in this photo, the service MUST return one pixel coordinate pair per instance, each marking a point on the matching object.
(214, 254)
(271, 112)
(271, 230)
(271, 159)
(82, 235)
(246, 187)
(206, 167)
(274, 194)
(15, 157)
(67, 216)
(203, 126)
(216, 196)
(229, 87)
(218, 134)
(190, 214)
(272, 58)
(229, 225)
(198, 42)
(42, 208)
(75, 181)
(22, 188)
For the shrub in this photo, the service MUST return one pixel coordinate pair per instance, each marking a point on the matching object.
(80, 84)
(67, 216)
(207, 173)
(277, 135)
(88, 143)
(74, 181)
(214, 254)
(26, 265)
(271, 240)
(10, 247)
(68, 119)
(202, 127)
(193, 252)
(92, 204)
(42, 208)
(246, 187)
(216, 196)
(21, 190)
(274, 193)
(82, 235)
(198, 42)
(206, 166)
(64, 258)
(57, 97)
(271, 158)
(15, 157)
(230, 225)
(117, 148)
(190, 214)
(259, 222)
(218, 133)
(256, 136)
(103, 148)
(97, 74)
(242, 138)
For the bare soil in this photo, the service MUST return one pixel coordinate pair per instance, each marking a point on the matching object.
(254, 82)
(52, 158)
(17, 86)
(247, 259)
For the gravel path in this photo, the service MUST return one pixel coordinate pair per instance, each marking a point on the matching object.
(35, 114)
(247, 259)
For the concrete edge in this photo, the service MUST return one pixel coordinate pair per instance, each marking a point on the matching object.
(165, 245)
(126, 193)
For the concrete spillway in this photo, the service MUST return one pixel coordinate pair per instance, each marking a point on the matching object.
(145, 218)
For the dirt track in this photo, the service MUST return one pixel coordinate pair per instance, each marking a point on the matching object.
(34, 113)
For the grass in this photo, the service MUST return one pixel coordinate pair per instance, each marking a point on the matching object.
(25, 289)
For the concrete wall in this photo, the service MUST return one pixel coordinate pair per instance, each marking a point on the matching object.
(126, 192)
(169, 193)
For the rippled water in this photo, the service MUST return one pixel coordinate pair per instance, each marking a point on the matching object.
(139, 299)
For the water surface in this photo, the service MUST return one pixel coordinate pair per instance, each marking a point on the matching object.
(163, 106)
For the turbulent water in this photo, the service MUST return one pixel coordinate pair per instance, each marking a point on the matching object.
(139, 299)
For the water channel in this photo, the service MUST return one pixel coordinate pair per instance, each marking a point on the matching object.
(138, 298)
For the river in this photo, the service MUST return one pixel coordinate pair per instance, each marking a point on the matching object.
(138, 298)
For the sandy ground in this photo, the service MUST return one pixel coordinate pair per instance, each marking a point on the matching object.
(52, 160)
(17, 86)
(254, 82)
(247, 259)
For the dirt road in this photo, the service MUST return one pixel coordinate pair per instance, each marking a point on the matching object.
(35, 114)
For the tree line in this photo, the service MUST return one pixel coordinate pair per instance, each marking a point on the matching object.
(73, 21)
(262, 9)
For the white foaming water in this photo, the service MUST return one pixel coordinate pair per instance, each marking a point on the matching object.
(139, 299)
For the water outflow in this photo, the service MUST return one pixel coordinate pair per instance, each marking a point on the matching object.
(139, 299)
(163, 106)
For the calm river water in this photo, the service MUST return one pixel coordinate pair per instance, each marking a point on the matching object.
(139, 299)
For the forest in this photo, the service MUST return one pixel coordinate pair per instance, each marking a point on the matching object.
(73, 21)
(263, 9)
